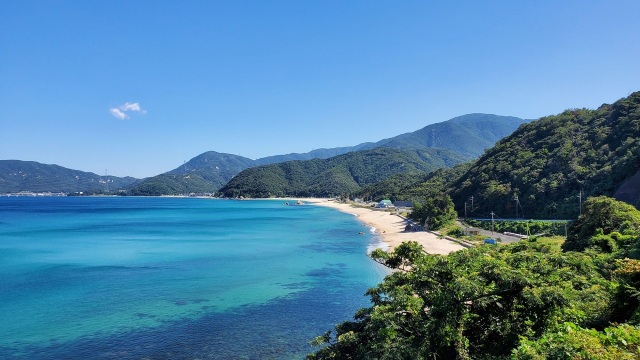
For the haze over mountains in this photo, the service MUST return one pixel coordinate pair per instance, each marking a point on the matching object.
(466, 137)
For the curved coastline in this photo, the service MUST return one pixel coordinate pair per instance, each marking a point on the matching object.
(390, 227)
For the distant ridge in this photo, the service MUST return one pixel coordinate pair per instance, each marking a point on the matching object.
(468, 135)
(17, 176)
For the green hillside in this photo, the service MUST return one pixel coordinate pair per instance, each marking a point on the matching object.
(205, 173)
(16, 176)
(172, 184)
(549, 162)
(413, 187)
(527, 300)
(468, 135)
(337, 175)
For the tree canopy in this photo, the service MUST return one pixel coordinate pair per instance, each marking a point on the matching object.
(527, 300)
(338, 175)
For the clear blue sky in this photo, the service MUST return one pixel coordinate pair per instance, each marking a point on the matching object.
(137, 87)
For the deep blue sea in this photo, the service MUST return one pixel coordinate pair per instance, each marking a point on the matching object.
(175, 278)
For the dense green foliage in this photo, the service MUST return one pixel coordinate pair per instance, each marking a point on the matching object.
(611, 226)
(435, 213)
(527, 300)
(546, 163)
(524, 227)
(390, 188)
(415, 187)
(16, 176)
(335, 176)
(172, 184)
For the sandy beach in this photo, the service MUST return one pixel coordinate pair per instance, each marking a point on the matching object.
(390, 227)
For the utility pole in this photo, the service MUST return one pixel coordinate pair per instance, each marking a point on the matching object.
(580, 200)
(492, 214)
(517, 202)
(471, 203)
(465, 210)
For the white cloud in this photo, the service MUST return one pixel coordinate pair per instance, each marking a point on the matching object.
(130, 106)
(120, 112)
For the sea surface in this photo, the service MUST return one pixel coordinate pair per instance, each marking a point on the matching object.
(175, 278)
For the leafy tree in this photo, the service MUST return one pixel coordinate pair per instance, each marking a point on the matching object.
(472, 304)
(435, 212)
(570, 341)
(607, 224)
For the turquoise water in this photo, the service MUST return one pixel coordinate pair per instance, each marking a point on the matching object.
(166, 278)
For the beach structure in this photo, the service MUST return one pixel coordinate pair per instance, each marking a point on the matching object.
(384, 204)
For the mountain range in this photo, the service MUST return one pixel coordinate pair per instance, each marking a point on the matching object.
(17, 176)
(465, 138)
(546, 169)
(338, 175)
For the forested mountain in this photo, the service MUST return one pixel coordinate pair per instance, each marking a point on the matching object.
(205, 173)
(16, 176)
(172, 184)
(551, 165)
(314, 154)
(334, 176)
(550, 162)
(413, 187)
(466, 135)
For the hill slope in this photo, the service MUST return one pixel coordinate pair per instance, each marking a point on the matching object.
(334, 176)
(467, 136)
(205, 173)
(16, 176)
(549, 162)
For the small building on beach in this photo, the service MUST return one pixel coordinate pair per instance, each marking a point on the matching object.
(385, 204)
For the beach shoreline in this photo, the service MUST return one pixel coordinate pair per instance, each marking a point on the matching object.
(389, 227)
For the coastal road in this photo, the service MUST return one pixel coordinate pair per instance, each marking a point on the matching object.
(506, 239)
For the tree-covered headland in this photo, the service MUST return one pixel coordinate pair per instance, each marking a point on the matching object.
(529, 300)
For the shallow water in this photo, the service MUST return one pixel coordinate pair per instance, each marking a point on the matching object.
(175, 278)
